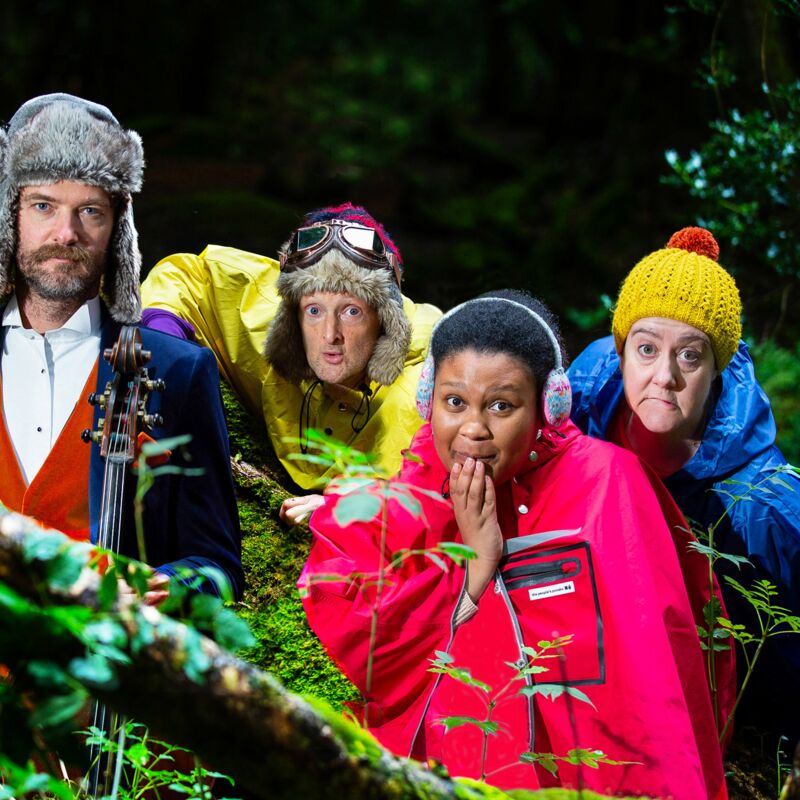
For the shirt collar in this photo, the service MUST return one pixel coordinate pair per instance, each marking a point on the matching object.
(87, 320)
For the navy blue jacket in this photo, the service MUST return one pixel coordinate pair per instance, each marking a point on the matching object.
(738, 444)
(189, 521)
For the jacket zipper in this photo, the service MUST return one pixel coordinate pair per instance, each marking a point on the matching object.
(439, 676)
(500, 588)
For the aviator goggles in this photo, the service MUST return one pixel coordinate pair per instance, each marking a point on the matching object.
(356, 241)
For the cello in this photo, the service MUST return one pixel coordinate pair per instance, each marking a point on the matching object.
(124, 403)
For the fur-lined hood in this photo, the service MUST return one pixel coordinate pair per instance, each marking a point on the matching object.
(336, 273)
(59, 137)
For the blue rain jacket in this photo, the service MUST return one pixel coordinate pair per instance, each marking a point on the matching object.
(738, 444)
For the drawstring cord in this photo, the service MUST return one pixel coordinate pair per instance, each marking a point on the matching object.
(357, 423)
(366, 394)
(305, 416)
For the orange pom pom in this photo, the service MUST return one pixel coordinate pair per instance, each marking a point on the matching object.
(695, 240)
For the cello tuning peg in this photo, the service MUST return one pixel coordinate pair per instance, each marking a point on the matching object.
(97, 400)
(157, 385)
(91, 436)
(153, 420)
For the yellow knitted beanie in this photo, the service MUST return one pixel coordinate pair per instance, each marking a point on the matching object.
(683, 282)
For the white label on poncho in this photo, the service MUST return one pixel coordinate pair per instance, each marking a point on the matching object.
(551, 591)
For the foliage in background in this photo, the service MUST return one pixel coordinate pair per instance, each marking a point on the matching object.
(745, 178)
(778, 371)
(770, 619)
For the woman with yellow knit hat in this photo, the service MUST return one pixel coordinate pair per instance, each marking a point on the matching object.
(675, 384)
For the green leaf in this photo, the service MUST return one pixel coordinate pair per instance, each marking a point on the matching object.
(41, 545)
(737, 560)
(436, 560)
(552, 691)
(232, 632)
(216, 576)
(711, 610)
(94, 670)
(47, 673)
(456, 722)
(161, 446)
(464, 676)
(457, 550)
(444, 657)
(546, 760)
(53, 711)
(407, 501)
(579, 695)
(357, 507)
(109, 588)
(137, 754)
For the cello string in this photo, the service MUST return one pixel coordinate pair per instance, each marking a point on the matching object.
(110, 538)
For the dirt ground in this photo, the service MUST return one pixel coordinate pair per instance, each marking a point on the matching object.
(751, 767)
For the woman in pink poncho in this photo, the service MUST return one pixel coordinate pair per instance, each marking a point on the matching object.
(572, 548)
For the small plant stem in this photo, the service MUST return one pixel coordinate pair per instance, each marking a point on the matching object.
(748, 675)
(143, 483)
(373, 630)
(710, 653)
(484, 749)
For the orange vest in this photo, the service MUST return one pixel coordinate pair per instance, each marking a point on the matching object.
(58, 495)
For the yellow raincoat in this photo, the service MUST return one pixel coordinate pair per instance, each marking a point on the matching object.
(230, 297)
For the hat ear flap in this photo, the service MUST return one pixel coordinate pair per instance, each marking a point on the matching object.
(556, 398)
(8, 233)
(284, 347)
(8, 241)
(425, 388)
(121, 279)
(388, 358)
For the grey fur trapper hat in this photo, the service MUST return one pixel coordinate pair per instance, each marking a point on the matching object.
(60, 137)
(335, 272)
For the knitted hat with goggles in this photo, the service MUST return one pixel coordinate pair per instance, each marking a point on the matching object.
(343, 250)
(59, 137)
(684, 282)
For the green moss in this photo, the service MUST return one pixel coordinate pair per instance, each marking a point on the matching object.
(273, 555)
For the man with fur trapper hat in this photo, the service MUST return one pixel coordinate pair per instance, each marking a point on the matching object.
(344, 348)
(69, 279)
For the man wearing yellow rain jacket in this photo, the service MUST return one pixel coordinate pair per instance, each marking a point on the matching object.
(343, 350)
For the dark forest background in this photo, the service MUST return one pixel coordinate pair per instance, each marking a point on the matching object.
(501, 142)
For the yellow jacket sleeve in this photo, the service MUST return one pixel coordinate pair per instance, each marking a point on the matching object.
(229, 296)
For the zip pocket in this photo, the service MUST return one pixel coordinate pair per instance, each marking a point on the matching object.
(553, 594)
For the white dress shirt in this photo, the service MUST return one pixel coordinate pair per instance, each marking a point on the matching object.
(43, 379)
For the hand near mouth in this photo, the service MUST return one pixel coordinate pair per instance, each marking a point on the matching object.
(475, 508)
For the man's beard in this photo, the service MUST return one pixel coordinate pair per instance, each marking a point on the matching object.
(78, 280)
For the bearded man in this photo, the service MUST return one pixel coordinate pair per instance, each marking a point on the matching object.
(69, 279)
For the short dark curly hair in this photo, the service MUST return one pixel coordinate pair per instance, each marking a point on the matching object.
(501, 328)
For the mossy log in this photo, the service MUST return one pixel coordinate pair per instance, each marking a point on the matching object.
(239, 718)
